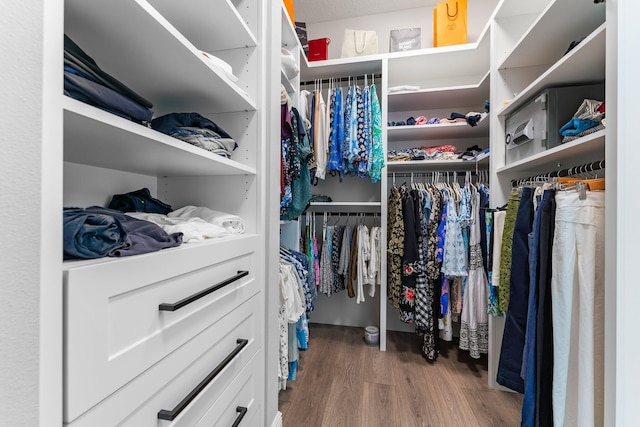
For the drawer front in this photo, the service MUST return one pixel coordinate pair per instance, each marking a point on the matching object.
(240, 403)
(115, 329)
(190, 380)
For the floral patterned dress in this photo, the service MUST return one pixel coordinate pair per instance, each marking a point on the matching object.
(395, 247)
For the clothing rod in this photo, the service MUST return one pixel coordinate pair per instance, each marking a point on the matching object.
(345, 213)
(575, 170)
(339, 79)
(460, 172)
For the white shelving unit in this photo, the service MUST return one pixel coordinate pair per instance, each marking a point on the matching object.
(142, 359)
(527, 56)
(452, 78)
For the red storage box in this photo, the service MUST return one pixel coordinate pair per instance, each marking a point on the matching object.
(319, 49)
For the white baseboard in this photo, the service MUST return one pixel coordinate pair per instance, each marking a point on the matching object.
(277, 421)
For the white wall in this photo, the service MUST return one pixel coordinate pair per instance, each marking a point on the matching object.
(30, 287)
(478, 13)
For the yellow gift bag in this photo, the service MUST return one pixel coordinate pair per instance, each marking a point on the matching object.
(288, 4)
(450, 23)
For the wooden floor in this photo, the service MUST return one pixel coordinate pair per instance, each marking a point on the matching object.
(342, 382)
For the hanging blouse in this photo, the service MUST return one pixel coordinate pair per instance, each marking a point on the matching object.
(326, 281)
(336, 137)
(364, 132)
(337, 233)
(395, 247)
(350, 152)
(454, 262)
(321, 139)
(364, 257)
(375, 266)
(377, 155)
(345, 253)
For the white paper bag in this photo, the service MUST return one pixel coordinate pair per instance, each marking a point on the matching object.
(359, 43)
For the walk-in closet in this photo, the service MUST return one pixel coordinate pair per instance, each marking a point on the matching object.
(294, 213)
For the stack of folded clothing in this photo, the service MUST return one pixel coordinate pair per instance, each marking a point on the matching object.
(438, 152)
(85, 81)
(472, 118)
(195, 224)
(97, 232)
(196, 130)
(589, 118)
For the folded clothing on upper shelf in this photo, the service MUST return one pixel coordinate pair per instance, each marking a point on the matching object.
(232, 223)
(98, 232)
(139, 201)
(196, 130)
(589, 118)
(472, 118)
(196, 223)
(85, 81)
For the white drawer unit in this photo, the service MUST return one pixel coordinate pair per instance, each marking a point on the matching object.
(181, 388)
(122, 317)
(239, 403)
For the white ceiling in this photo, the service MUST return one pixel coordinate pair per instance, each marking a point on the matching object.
(312, 11)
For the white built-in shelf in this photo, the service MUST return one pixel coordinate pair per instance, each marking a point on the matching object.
(355, 67)
(344, 207)
(512, 8)
(290, 39)
(441, 67)
(585, 63)
(586, 149)
(135, 44)
(438, 165)
(286, 83)
(466, 95)
(208, 25)
(438, 131)
(188, 252)
(561, 22)
(97, 138)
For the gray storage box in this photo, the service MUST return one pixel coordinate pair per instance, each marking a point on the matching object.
(534, 127)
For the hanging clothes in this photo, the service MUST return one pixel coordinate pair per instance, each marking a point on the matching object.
(395, 247)
(510, 365)
(577, 288)
(321, 137)
(336, 135)
(377, 155)
(474, 325)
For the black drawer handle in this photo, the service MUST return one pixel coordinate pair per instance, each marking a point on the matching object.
(242, 411)
(170, 415)
(165, 306)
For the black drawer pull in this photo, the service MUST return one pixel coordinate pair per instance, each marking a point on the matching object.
(242, 411)
(170, 415)
(165, 306)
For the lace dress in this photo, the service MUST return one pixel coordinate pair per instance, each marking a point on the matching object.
(474, 325)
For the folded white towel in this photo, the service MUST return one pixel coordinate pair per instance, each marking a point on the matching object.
(232, 223)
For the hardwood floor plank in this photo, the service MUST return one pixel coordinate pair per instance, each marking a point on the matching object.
(342, 382)
(380, 405)
(345, 398)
